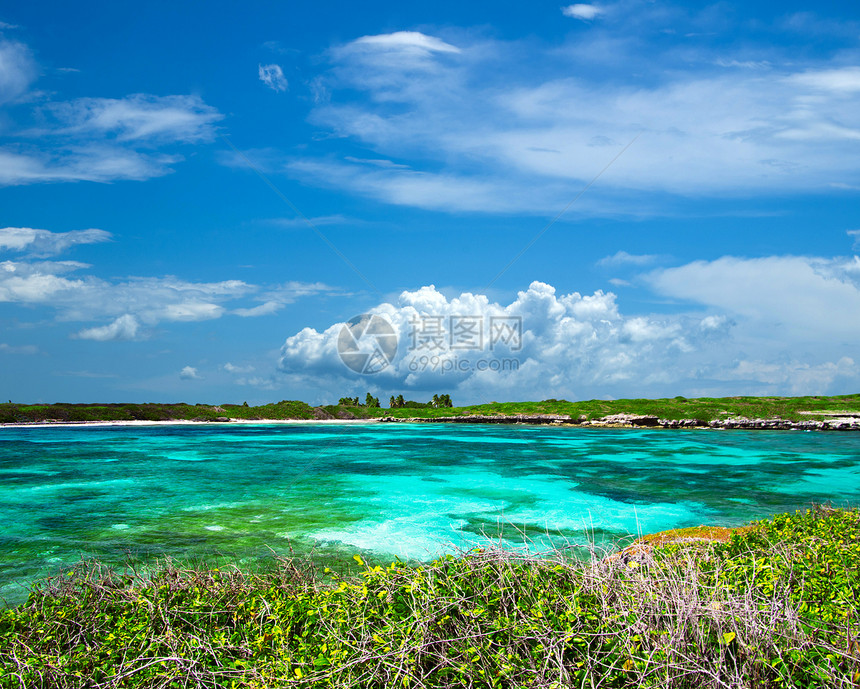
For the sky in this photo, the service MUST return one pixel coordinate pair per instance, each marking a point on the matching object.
(256, 201)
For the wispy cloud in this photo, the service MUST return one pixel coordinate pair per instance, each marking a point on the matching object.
(273, 77)
(40, 243)
(17, 69)
(581, 11)
(622, 258)
(92, 139)
(488, 117)
(138, 117)
(18, 349)
(232, 368)
(798, 299)
(410, 42)
(134, 305)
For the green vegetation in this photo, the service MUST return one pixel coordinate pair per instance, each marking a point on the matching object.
(27, 413)
(773, 606)
(705, 409)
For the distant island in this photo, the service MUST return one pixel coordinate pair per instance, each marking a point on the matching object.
(841, 412)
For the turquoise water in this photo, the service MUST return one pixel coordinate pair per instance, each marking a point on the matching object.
(239, 492)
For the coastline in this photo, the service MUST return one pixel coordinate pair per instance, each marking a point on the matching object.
(618, 421)
(185, 422)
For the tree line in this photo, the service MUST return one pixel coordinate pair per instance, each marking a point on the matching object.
(397, 402)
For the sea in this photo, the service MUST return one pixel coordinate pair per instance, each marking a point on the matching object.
(243, 494)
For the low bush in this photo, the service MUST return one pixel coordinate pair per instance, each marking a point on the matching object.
(774, 606)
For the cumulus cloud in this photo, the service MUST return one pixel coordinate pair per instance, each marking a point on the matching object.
(190, 373)
(581, 11)
(123, 328)
(776, 325)
(44, 243)
(540, 345)
(273, 77)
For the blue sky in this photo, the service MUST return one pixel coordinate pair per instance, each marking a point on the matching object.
(195, 199)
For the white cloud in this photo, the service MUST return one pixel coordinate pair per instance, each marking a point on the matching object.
(273, 77)
(856, 235)
(499, 129)
(845, 79)
(413, 42)
(17, 349)
(794, 377)
(90, 163)
(799, 298)
(582, 11)
(232, 368)
(132, 304)
(45, 243)
(573, 345)
(776, 325)
(17, 70)
(138, 117)
(123, 328)
(92, 139)
(190, 373)
(264, 309)
(622, 258)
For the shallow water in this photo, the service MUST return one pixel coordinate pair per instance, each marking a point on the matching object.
(412, 491)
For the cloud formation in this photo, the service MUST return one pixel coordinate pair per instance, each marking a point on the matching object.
(17, 70)
(134, 305)
(41, 243)
(135, 137)
(581, 11)
(190, 373)
(776, 325)
(273, 77)
(123, 328)
(500, 127)
(567, 345)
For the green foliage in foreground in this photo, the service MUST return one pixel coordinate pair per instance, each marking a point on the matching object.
(775, 607)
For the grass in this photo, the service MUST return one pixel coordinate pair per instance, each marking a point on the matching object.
(704, 408)
(775, 605)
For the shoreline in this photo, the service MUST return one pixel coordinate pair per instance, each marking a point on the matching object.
(185, 422)
(617, 421)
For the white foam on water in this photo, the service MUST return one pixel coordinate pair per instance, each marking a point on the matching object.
(120, 527)
(214, 527)
(414, 518)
